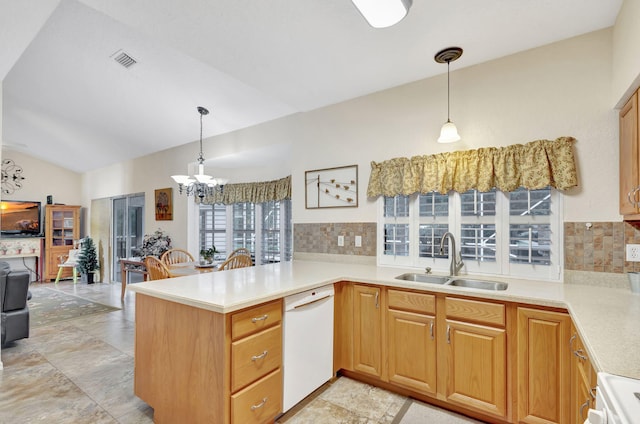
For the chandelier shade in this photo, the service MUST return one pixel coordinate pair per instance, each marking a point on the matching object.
(383, 13)
(448, 132)
(200, 184)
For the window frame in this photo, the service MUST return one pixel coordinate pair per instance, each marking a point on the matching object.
(285, 230)
(502, 266)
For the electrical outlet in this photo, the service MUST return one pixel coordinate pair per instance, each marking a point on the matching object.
(633, 252)
(358, 241)
(341, 241)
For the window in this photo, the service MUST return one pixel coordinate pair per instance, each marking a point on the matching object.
(213, 227)
(265, 229)
(515, 233)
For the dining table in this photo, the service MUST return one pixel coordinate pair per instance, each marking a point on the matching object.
(190, 268)
(136, 265)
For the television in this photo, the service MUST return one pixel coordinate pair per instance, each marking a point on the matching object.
(20, 218)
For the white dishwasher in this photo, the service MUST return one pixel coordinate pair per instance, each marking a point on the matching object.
(308, 343)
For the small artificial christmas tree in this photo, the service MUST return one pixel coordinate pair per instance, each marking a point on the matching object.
(88, 259)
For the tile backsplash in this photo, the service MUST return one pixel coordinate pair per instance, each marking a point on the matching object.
(323, 238)
(599, 248)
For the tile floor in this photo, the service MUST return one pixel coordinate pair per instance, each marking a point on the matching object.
(81, 371)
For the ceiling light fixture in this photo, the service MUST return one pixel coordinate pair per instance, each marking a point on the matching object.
(200, 185)
(449, 132)
(383, 13)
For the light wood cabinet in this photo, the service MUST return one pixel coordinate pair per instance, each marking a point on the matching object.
(629, 160)
(583, 379)
(544, 373)
(367, 330)
(476, 343)
(256, 364)
(195, 365)
(62, 228)
(411, 340)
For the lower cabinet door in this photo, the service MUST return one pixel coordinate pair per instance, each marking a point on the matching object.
(477, 367)
(412, 351)
(544, 374)
(258, 403)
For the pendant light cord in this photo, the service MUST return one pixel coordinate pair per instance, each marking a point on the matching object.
(448, 98)
(201, 158)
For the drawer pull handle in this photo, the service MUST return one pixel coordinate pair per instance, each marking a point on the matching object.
(579, 354)
(262, 355)
(260, 405)
(584, 405)
(571, 341)
(262, 318)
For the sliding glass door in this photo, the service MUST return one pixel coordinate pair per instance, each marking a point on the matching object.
(128, 231)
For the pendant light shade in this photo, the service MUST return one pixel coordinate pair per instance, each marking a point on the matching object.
(383, 13)
(449, 132)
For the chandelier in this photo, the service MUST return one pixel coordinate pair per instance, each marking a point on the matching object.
(200, 185)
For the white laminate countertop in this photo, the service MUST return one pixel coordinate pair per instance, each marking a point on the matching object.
(607, 319)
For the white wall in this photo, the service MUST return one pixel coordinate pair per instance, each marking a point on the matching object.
(552, 91)
(626, 60)
(563, 89)
(43, 178)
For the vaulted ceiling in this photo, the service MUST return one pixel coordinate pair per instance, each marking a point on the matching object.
(247, 61)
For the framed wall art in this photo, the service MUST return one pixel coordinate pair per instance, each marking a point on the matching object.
(164, 204)
(332, 187)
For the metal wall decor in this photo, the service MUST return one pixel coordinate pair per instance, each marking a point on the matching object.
(11, 176)
(331, 187)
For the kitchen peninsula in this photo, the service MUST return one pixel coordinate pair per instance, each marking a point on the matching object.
(188, 330)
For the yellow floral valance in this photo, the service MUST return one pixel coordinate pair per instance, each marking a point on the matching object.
(258, 192)
(533, 165)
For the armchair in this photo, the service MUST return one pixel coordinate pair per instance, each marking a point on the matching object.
(14, 290)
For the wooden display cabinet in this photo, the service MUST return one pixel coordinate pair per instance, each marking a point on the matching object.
(62, 229)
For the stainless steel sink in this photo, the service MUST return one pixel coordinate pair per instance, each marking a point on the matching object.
(477, 284)
(423, 278)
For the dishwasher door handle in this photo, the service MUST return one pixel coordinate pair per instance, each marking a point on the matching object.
(304, 305)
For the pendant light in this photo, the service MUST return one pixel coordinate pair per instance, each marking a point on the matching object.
(200, 185)
(383, 13)
(449, 132)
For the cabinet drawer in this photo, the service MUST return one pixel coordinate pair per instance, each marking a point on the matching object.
(476, 311)
(255, 356)
(260, 402)
(255, 319)
(412, 302)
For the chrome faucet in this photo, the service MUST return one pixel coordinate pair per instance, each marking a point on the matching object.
(456, 258)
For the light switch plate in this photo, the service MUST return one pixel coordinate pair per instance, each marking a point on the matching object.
(358, 241)
(633, 253)
(340, 241)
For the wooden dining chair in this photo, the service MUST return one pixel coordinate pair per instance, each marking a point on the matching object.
(176, 256)
(240, 251)
(236, 261)
(156, 269)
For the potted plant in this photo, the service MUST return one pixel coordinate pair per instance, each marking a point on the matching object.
(155, 244)
(207, 255)
(88, 259)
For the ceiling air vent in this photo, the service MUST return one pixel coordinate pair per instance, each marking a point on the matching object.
(124, 59)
